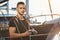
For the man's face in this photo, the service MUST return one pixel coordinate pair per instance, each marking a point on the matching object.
(21, 9)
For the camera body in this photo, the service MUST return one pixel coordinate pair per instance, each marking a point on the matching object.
(33, 31)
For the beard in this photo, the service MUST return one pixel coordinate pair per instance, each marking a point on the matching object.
(21, 14)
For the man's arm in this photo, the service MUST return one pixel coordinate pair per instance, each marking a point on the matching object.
(13, 34)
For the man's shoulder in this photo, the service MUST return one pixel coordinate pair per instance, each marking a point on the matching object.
(13, 18)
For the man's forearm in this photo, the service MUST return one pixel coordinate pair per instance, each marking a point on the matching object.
(17, 35)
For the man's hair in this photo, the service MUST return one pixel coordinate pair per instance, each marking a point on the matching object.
(20, 3)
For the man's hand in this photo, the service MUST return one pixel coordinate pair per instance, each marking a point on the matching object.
(27, 33)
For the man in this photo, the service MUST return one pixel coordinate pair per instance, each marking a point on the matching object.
(18, 25)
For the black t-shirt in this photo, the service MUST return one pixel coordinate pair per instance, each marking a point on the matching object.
(21, 26)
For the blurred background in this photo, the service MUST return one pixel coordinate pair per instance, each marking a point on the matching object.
(37, 11)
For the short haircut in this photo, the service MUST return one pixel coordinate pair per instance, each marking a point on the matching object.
(20, 3)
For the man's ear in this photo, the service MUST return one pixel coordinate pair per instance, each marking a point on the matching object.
(25, 10)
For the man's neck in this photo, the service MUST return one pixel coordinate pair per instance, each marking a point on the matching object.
(19, 16)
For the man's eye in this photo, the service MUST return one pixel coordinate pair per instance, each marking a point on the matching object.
(23, 8)
(20, 8)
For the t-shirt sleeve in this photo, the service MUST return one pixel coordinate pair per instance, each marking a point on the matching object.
(11, 23)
